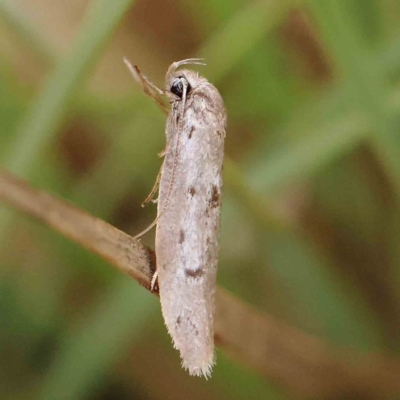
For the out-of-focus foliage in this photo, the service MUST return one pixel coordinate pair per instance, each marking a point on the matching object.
(311, 222)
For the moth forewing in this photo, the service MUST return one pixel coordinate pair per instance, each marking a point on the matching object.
(188, 220)
(187, 236)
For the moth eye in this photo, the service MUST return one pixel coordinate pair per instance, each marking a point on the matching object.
(177, 86)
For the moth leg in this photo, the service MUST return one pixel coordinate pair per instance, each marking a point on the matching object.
(154, 190)
(154, 282)
(162, 153)
(147, 86)
(150, 84)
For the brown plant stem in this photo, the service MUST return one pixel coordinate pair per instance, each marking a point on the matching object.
(300, 362)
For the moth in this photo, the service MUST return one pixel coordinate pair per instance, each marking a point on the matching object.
(189, 206)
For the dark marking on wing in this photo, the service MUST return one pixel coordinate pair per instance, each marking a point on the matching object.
(192, 191)
(192, 129)
(181, 236)
(196, 273)
(193, 325)
(178, 320)
(215, 197)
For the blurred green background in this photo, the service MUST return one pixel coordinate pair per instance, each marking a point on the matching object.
(311, 221)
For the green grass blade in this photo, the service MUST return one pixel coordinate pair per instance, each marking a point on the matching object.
(366, 85)
(301, 159)
(17, 22)
(240, 34)
(48, 110)
(110, 326)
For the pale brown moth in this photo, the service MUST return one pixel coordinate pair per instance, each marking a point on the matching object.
(189, 204)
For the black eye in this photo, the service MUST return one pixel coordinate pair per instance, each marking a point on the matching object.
(177, 86)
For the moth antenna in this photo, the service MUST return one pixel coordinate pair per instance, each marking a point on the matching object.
(177, 64)
(175, 162)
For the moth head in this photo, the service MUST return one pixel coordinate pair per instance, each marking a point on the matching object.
(179, 83)
(180, 86)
